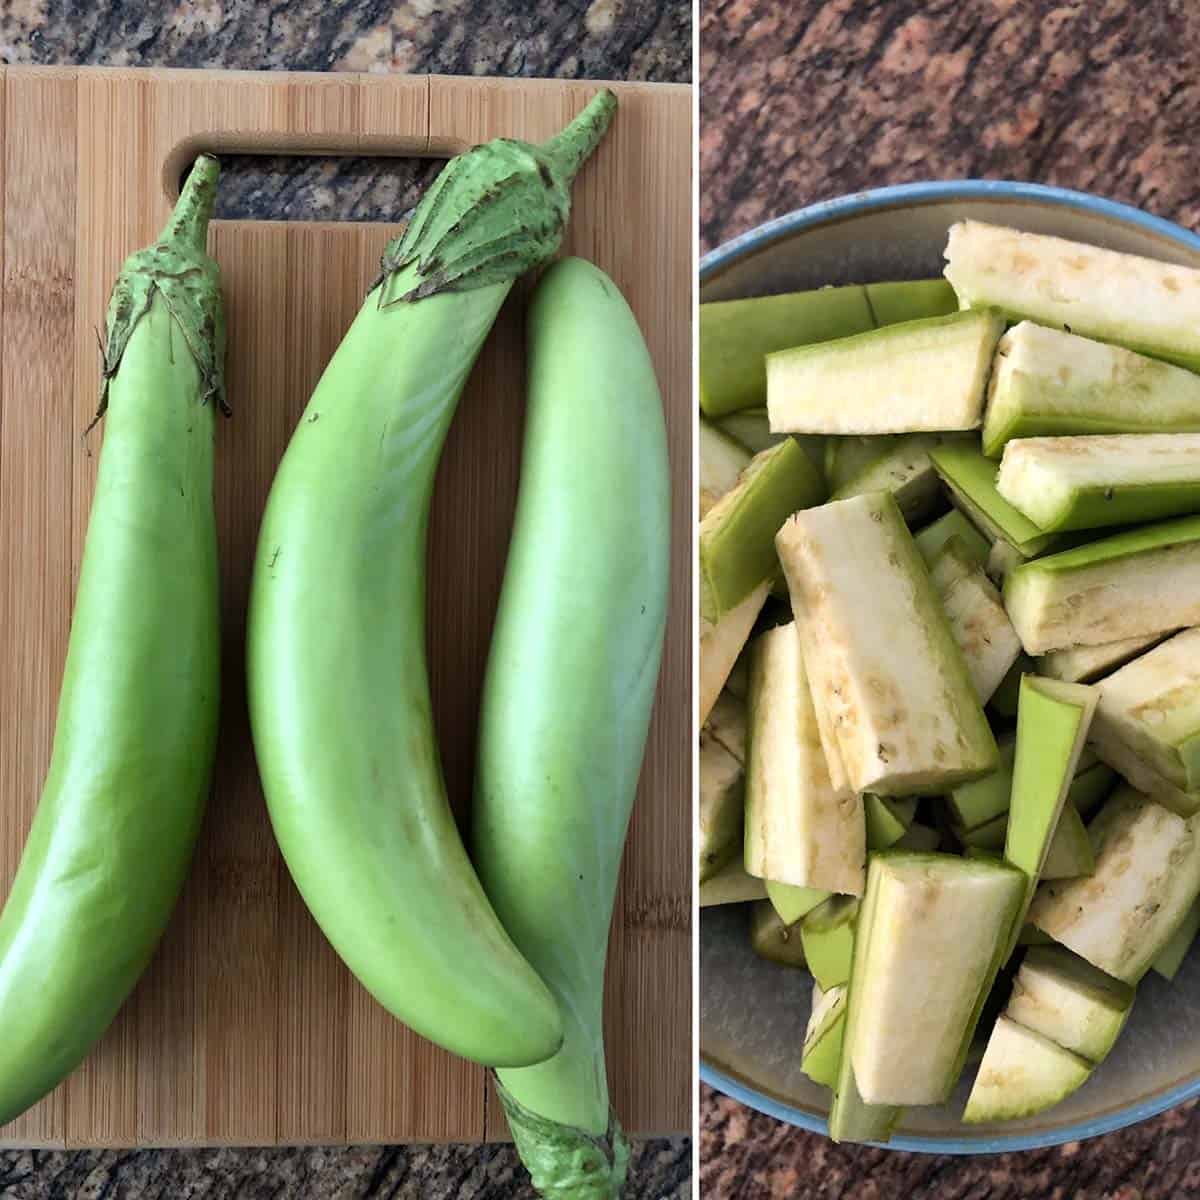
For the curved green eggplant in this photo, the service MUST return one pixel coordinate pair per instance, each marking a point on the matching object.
(569, 688)
(135, 739)
(339, 697)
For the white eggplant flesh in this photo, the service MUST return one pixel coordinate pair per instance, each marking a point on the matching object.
(888, 675)
(1147, 877)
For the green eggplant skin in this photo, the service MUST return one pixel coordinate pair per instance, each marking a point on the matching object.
(134, 743)
(339, 699)
(570, 683)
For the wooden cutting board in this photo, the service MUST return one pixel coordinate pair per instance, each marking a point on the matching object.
(247, 1029)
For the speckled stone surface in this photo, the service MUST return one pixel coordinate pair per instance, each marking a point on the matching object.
(804, 100)
(600, 39)
(660, 1170)
(747, 1156)
(811, 99)
(575, 39)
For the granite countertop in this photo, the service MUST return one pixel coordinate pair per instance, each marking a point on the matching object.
(806, 100)
(600, 39)
(810, 99)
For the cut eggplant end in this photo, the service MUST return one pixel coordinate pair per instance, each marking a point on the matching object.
(828, 936)
(720, 645)
(1137, 583)
(1170, 957)
(889, 678)
(1052, 722)
(823, 1039)
(737, 535)
(1152, 705)
(930, 540)
(929, 956)
(719, 831)
(1141, 303)
(771, 939)
(920, 376)
(731, 885)
(1146, 879)
(1022, 1074)
(1064, 998)
(792, 903)
(722, 460)
(799, 828)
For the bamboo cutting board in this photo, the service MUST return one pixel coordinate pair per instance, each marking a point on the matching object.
(247, 1029)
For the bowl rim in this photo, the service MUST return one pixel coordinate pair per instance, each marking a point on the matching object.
(932, 192)
(806, 218)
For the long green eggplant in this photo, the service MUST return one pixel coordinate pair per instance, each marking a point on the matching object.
(133, 749)
(338, 686)
(570, 682)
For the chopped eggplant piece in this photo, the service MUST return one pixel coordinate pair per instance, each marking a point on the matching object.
(737, 537)
(981, 801)
(1063, 483)
(953, 524)
(1147, 877)
(888, 819)
(906, 471)
(722, 460)
(799, 828)
(722, 642)
(1022, 1074)
(851, 1118)
(721, 789)
(1170, 958)
(1070, 854)
(828, 936)
(1086, 664)
(977, 618)
(792, 903)
(910, 300)
(1046, 382)
(1066, 999)
(1052, 723)
(971, 479)
(848, 457)
(731, 885)
(823, 1038)
(750, 429)
(1152, 705)
(727, 724)
(1118, 755)
(1149, 306)
(937, 924)
(736, 336)
(1090, 787)
(771, 939)
(1133, 584)
(889, 676)
(920, 376)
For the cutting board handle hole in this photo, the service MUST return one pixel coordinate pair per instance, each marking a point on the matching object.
(310, 184)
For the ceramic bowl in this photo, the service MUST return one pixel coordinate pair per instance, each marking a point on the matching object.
(753, 1013)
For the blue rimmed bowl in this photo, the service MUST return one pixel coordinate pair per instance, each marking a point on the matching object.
(752, 1013)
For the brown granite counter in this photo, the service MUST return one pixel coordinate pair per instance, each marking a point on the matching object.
(806, 100)
(811, 99)
(591, 39)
